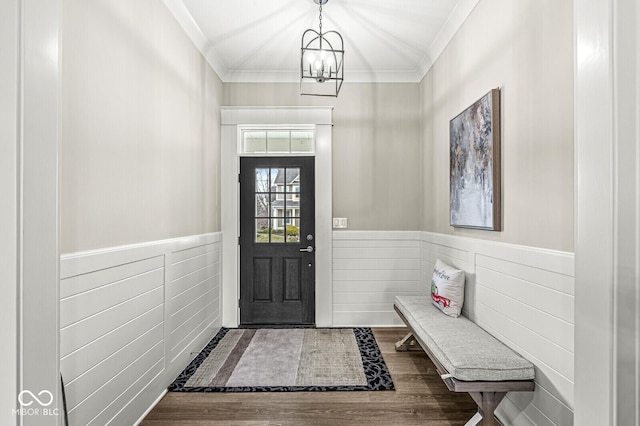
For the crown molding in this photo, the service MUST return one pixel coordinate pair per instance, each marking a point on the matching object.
(458, 16)
(351, 76)
(195, 34)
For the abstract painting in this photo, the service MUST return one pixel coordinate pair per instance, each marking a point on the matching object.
(474, 137)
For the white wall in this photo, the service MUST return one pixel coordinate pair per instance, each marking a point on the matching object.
(526, 49)
(140, 119)
(376, 145)
(131, 319)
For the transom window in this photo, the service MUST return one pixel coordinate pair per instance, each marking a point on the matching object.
(277, 142)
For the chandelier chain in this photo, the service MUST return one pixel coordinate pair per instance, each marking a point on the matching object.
(320, 16)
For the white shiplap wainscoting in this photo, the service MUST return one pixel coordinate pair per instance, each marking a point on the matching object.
(523, 296)
(370, 268)
(131, 318)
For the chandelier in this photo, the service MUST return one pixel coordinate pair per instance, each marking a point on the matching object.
(321, 61)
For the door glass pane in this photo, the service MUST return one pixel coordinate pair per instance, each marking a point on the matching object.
(278, 185)
(278, 142)
(293, 206)
(277, 205)
(262, 180)
(277, 230)
(262, 230)
(255, 142)
(293, 231)
(302, 142)
(262, 205)
(293, 179)
(293, 188)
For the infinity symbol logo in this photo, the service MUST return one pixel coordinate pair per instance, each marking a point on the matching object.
(27, 392)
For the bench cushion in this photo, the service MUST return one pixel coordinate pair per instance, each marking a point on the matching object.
(467, 351)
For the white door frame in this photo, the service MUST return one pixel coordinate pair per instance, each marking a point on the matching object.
(234, 118)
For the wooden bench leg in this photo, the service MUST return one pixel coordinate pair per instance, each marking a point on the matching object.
(487, 404)
(407, 343)
(475, 420)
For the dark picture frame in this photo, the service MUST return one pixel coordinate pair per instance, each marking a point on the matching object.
(474, 165)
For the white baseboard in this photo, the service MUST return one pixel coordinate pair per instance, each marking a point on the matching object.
(151, 407)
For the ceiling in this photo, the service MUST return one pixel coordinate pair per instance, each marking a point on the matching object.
(259, 41)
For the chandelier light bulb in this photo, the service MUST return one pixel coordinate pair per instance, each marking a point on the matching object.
(329, 61)
(311, 58)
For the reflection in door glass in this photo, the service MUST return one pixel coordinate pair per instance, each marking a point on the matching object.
(277, 205)
(277, 231)
(262, 230)
(262, 205)
(293, 233)
(262, 181)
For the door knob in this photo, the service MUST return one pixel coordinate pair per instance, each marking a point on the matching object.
(309, 249)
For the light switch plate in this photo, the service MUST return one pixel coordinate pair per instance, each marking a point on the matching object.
(339, 222)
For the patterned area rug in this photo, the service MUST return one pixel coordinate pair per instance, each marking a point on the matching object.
(297, 359)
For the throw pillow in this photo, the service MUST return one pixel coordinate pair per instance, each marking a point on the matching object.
(447, 288)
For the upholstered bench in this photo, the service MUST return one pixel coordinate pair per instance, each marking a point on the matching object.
(467, 358)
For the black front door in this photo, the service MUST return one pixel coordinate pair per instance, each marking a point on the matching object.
(277, 241)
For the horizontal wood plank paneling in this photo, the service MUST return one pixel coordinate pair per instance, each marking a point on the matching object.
(83, 359)
(85, 385)
(551, 301)
(525, 297)
(531, 273)
(78, 334)
(369, 270)
(133, 398)
(193, 297)
(374, 252)
(377, 264)
(131, 317)
(92, 280)
(89, 408)
(82, 305)
(368, 275)
(553, 328)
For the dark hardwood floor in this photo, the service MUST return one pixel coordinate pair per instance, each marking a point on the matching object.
(420, 398)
